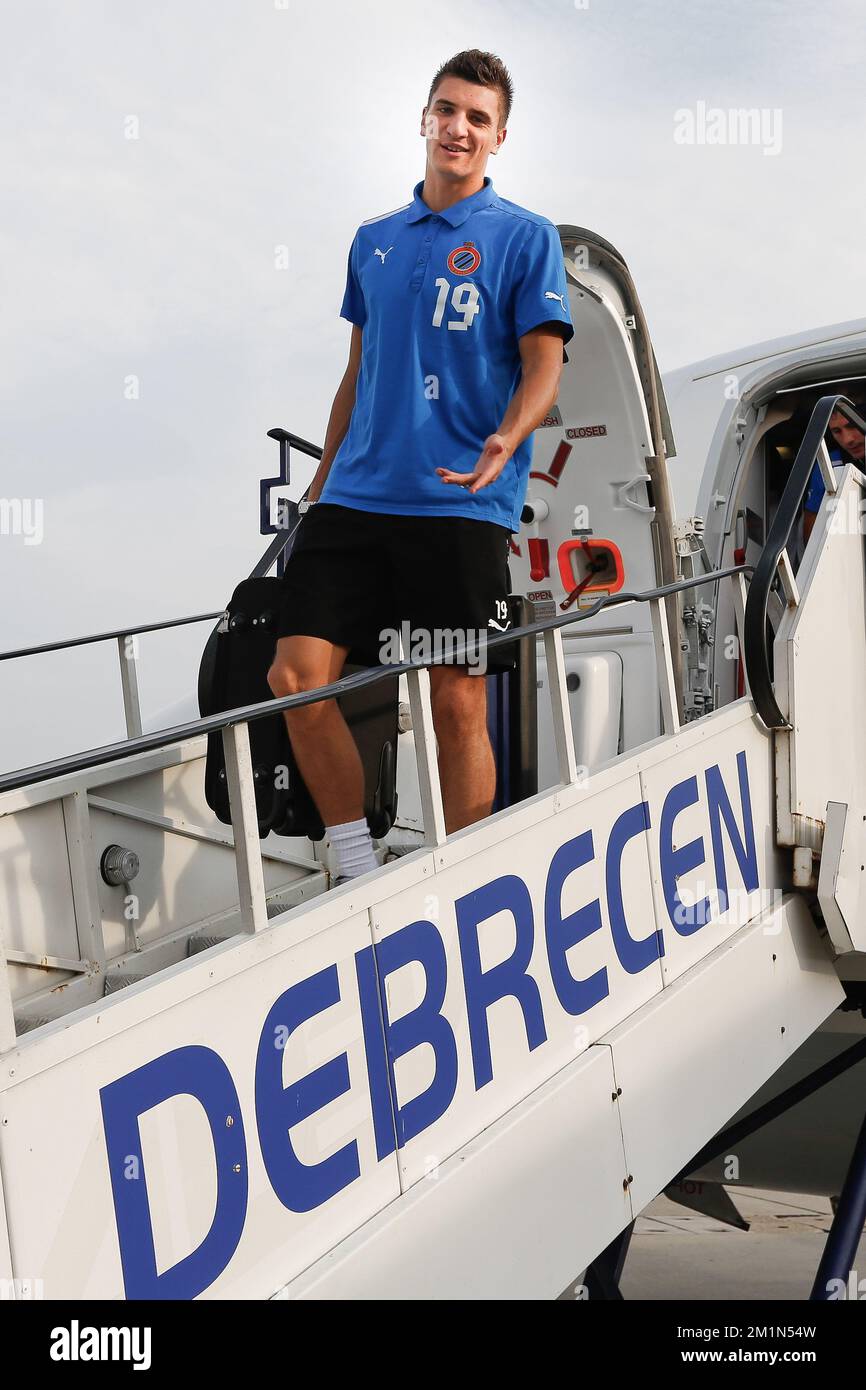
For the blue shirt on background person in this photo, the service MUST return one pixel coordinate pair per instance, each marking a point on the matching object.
(815, 491)
(443, 299)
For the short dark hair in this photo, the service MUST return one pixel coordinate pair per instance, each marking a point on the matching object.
(485, 70)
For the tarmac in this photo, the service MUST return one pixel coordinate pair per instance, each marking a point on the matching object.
(680, 1255)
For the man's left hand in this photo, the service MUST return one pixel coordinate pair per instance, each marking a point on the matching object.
(491, 462)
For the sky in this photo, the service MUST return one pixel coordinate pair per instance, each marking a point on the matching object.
(183, 181)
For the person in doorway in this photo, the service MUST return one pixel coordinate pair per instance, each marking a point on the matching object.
(848, 446)
(459, 308)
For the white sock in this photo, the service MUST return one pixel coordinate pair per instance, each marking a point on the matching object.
(353, 846)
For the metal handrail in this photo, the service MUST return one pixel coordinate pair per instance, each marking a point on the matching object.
(295, 441)
(756, 648)
(160, 738)
(106, 636)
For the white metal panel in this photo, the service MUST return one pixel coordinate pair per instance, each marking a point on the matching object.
(563, 734)
(37, 909)
(720, 777)
(524, 859)
(84, 875)
(51, 1083)
(245, 823)
(515, 1215)
(6, 1271)
(190, 750)
(820, 667)
(600, 446)
(842, 877)
(429, 790)
(693, 1055)
(181, 880)
(594, 682)
(52, 1149)
(177, 793)
(519, 1211)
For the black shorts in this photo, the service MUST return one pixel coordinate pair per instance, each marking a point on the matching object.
(354, 578)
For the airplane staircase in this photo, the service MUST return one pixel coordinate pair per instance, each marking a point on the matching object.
(465, 1074)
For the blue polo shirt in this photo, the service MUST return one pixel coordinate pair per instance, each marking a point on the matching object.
(443, 299)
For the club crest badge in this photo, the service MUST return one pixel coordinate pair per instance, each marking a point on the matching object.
(464, 259)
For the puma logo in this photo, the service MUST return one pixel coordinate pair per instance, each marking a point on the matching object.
(383, 254)
(491, 622)
(548, 294)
